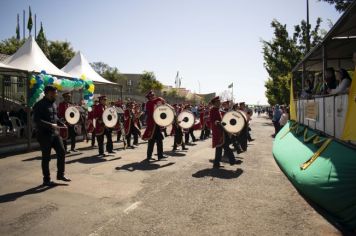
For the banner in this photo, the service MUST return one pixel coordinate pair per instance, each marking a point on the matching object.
(292, 110)
(350, 122)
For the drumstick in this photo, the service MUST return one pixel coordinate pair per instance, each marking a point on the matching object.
(49, 123)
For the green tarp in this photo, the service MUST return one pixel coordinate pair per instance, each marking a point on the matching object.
(330, 181)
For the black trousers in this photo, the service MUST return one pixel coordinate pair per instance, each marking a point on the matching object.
(134, 132)
(93, 138)
(157, 138)
(48, 142)
(242, 138)
(178, 138)
(189, 133)
(277, 127)
(109, 144)
(71, 136)
(228, 152)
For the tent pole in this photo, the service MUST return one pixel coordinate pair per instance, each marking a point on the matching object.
(28, 111)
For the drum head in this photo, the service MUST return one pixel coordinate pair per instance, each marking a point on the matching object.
(72, 115)
(163, 115)
(110, 117)
(233, 122)
(186, 119)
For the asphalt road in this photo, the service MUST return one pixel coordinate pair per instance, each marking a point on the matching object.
(182, 195)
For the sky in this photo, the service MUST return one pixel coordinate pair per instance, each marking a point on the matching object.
(212, 43)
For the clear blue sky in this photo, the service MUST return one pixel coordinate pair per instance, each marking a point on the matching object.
(215, 42)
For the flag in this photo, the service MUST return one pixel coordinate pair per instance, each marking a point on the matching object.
(29, 23)
(350, 125)
(18, 28)
(176, 79)
(292, 110)
(179, 82)
(231, 85)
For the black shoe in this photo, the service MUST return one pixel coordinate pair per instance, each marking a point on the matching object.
(217, 166)
(102, 155)
(49, 183)
(251, 140)
(174, 149)
(74, 150)
(112, 152)
(136, 144)
(67, 152)
(63, 178)
(162, 157)
(148, 158)
(233, 162)
(185, 148)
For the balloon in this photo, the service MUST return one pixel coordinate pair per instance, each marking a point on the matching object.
(90, 109)
(83, 77)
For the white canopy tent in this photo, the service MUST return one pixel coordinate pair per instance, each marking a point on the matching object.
(31, 58)
(79, 66)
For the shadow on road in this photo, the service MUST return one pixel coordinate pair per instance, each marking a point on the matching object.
(9, 197)
(92, 160)
(53, 156)
(218, 173)
(143, 165)
(174, 154)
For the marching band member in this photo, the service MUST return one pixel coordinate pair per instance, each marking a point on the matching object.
(153, 132)
(177, 131)
(46, 120)
(101, 130)
(118, 127)
(243, 137)
(62, 107)
(190, 131)
(131, 125)
(219, 135)
(91, 119)
(137, 122)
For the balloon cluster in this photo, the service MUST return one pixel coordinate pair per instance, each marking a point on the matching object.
(38, 82)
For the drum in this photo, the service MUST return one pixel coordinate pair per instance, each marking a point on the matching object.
(110, 117)
(186, 119)
(163, 115)
(72, 115)
(234, 121)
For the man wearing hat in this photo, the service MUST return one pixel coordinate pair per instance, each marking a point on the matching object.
(190, 131)
(62, 107)
(48, 125)
(153, 132)
(219, 135)
(101, 130)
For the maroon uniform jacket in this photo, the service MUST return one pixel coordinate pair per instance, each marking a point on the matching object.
(150, 107)
(217, 130)
(62, 107)
(98, 115)
(127, 121)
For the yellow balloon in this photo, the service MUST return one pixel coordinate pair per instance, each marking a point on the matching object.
(83, 77)
(91, 88)
(32, 81)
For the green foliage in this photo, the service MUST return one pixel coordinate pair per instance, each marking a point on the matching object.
(340, 5)
(148, 82)
(42, 41)
(282, 53)
(110, 73)
(29, 23)
(100, 67)
(9, 46)
(60, 53)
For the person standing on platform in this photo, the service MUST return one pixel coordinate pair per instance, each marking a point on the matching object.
(47, 123)
(219, 135)
(62, 107)
(153, 131)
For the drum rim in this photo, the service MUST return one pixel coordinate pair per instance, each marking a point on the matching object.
(117, 117)
(67, 110)
(165, 105)
(243, 116)
(191, 114)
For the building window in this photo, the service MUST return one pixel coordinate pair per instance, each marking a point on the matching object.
(129, 82)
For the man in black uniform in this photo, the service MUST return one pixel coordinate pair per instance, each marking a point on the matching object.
(46, 120)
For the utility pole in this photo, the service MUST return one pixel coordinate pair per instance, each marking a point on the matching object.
(308, 29)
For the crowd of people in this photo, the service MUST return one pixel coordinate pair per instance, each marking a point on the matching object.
(50, 121)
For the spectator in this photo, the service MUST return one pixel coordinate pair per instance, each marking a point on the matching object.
(277, 113)
(344, 79)
(5, 120)
(284, 117)
(330, 80)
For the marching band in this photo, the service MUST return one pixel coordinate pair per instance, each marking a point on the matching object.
(228, 124)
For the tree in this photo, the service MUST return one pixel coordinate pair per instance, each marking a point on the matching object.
(114, 75)
(60, 53)
(281, 54)
(42, 41)
(9, 46)
(100, 67)
(29, 23)
(340, 5)
(148, 82)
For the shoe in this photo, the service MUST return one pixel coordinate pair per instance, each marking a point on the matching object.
(185, 148)
(67, 152)
(63, 178)
(174, 149)
(102, 155)
(232, 162)
(148, 158)
(217, 166)
(112, 152)
(74, 150)
(162, 157)
(49, 183)
(136, 144)
(251, 140)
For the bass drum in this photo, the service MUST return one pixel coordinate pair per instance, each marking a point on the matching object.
(72, 115)
(186, 119)
(234, 121)
(110, 117)
(163, 115)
